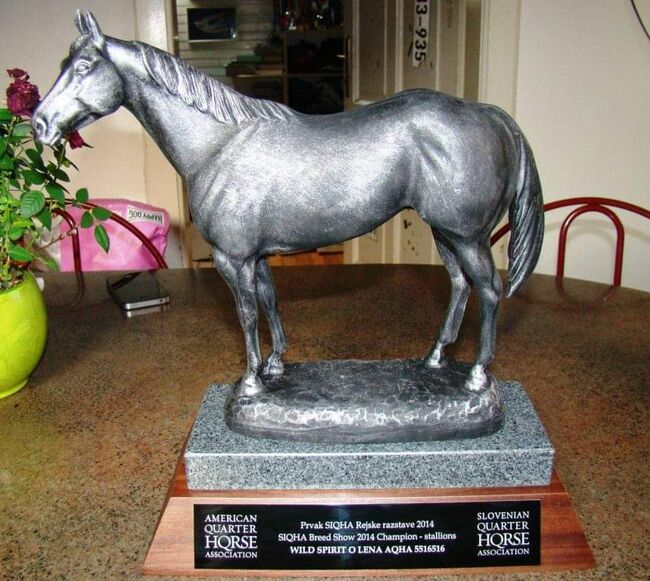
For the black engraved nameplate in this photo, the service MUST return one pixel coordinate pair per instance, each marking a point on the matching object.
(377, 536)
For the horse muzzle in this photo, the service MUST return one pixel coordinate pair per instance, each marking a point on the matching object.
(44, 132)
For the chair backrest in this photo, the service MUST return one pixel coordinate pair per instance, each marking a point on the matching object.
(586, 204)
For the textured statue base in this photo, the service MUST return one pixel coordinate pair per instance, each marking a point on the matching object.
(367, 402)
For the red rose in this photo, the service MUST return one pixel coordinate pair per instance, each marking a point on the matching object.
(75, 140)
(17, 74)
(22, 96)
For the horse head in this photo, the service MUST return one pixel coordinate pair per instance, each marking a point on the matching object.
(88, 87)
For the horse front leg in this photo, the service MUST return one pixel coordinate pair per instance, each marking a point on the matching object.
(267, 295)
(240, 276)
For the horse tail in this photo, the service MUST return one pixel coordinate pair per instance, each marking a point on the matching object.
(526, 217)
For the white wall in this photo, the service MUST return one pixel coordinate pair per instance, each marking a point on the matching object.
(583, 100)
(36, 36)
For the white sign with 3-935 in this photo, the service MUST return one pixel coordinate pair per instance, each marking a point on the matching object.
(421, 32)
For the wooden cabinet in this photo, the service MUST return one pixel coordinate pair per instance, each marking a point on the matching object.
(314, 70)
(310, 76)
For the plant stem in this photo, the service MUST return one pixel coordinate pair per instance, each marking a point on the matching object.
(60, 237)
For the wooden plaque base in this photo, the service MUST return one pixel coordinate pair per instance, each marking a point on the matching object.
(563, 544)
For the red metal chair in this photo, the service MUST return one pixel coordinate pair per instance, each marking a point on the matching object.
(76, 250)
(586, 204)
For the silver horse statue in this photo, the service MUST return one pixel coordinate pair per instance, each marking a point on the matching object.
(264, 179)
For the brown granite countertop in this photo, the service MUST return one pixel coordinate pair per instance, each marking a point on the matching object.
(88, 449)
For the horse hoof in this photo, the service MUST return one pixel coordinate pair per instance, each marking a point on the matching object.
(477, 380)
(436, 360)
(248, 385)
(273, 366)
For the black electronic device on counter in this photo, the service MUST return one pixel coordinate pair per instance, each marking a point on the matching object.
(137, 290)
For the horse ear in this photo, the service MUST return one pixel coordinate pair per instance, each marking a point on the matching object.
(80, 22)
(92, 28)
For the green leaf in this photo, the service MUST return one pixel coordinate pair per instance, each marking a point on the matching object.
(45, 217)
(5, 115)
(32, 203)
(3, 145)
(101, 214)
(86, 220)
(35, 156)
(20, 254)
(39, 147)
(59, 174)
(33, 177)
(56, 192)
(6, 163)
(16, 233)
(81, 195)
(102, 237)
(22, 130)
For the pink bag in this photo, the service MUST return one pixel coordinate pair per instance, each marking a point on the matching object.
(126, 251)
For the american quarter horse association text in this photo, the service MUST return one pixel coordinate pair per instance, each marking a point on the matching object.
(265, 179)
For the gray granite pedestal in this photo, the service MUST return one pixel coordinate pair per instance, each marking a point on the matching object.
(519, 454)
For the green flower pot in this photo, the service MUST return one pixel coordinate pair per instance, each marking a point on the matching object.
(23, 330)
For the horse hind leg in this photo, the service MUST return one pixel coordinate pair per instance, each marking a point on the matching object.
(460, 290)
(240, 277)
(267, 295)
(476, 260)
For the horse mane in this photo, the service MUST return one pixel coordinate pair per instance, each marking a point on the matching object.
(205, 93)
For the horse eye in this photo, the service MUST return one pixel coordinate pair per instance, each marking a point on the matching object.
(82, 67)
